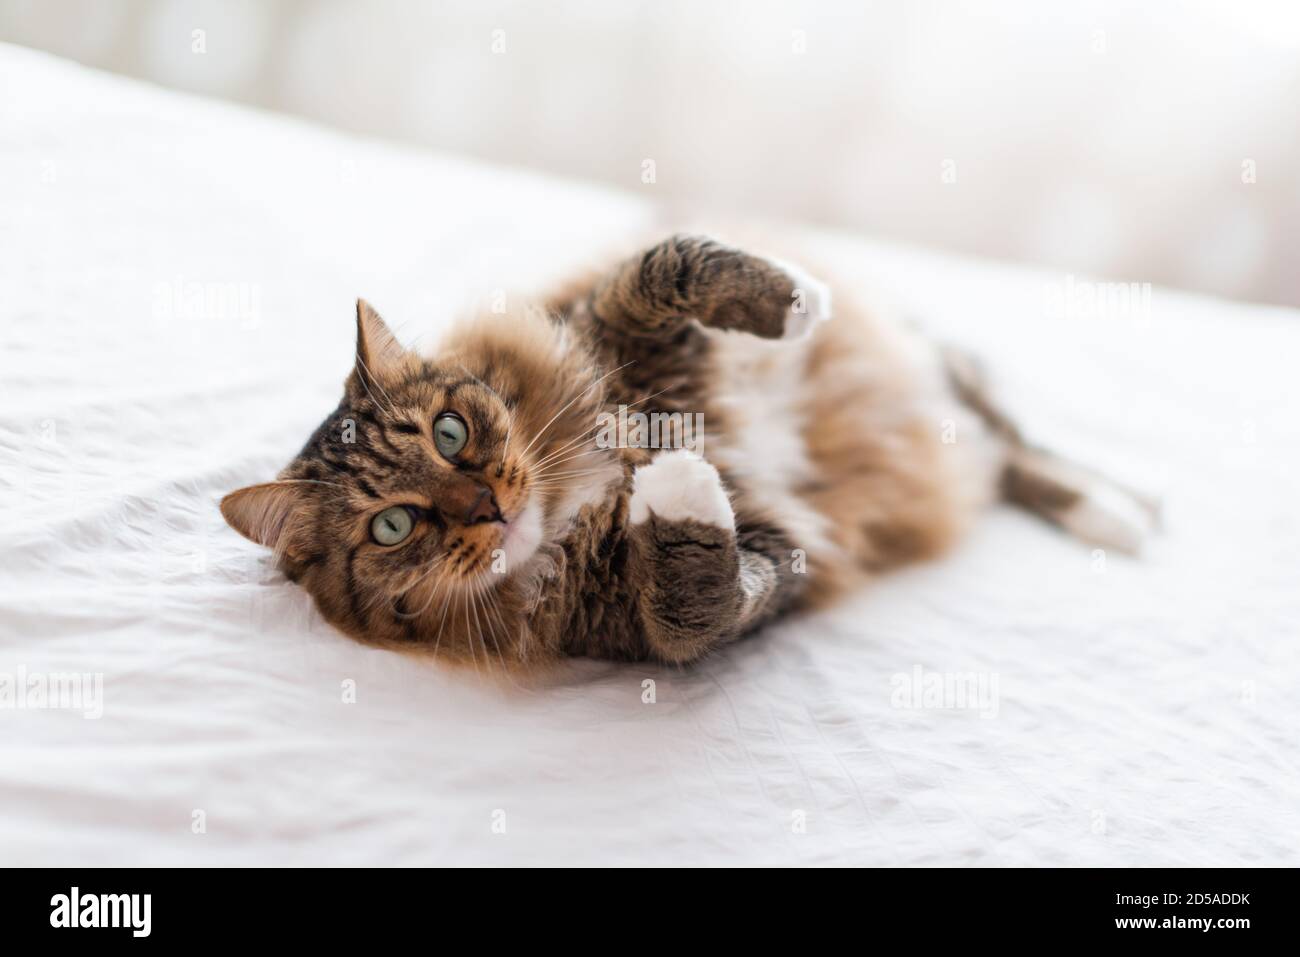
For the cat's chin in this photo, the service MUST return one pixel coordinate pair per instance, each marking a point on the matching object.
(522, 536)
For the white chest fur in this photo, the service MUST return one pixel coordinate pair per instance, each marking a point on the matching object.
(760, 395)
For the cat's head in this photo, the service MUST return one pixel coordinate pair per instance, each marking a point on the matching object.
(434, 481)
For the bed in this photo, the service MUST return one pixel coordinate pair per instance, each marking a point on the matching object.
(176, 288)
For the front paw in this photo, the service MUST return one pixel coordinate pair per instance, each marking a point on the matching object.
(680, 486)
(810, 302)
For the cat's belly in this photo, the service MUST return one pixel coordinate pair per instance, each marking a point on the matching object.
(761, 396)
(843, 441)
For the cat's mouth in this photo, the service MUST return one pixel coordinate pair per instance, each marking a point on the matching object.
(521, 534)
(497, 548)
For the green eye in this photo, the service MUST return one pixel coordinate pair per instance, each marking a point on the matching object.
(392, 525)
(449, 434)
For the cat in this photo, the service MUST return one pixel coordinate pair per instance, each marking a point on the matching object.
(463, 504)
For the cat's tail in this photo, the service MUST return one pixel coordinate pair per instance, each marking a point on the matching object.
(1087, 504)
(1082, 501)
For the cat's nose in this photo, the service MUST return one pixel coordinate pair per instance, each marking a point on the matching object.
(484, 509)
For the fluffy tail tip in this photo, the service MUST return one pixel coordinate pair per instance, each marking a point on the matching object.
(1111, 517)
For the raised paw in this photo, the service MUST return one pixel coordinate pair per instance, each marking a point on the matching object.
(810, 302)
(680, 486)
(694, 278)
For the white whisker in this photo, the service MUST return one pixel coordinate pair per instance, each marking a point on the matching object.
(570, 402)
(368, 375)
(595, 428)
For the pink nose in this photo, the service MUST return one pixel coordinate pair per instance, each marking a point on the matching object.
(484, 509)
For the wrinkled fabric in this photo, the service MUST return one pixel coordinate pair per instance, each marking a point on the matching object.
(176, 293)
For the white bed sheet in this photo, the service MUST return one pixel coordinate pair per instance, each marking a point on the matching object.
(1147, 712)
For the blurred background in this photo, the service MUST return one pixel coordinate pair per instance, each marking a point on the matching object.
(1143, 142)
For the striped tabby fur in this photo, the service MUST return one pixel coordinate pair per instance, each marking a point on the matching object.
(824, 464)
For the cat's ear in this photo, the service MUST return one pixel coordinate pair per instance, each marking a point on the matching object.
(266, 514)
(378, 350)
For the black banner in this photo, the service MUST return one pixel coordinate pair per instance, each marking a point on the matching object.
(1220, 908)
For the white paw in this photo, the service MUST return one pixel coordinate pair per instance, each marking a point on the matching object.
(678, 486)
(810, 302)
